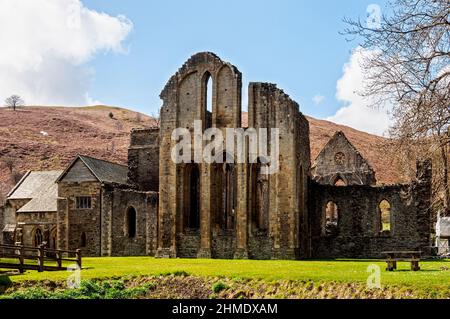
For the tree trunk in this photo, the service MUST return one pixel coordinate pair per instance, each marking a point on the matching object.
(445, 180)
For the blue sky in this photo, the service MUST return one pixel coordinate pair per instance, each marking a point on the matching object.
(295, 44)
(115, 52)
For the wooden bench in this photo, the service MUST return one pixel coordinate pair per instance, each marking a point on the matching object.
(392, 257)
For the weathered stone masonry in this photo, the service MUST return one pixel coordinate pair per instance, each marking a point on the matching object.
(156, 207)
(358, 233)
(279, 215)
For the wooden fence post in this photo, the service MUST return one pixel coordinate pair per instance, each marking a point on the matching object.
(41, 258)
(78, 253)
(21, 260)
(58, 259)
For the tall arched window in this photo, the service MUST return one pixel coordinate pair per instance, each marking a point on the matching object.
(207, 87)
(83, 240)
(384, 216)
(209, 94)
(38, 237)
(262, 194)
(192, 197)
(224, 193)
(131, 222)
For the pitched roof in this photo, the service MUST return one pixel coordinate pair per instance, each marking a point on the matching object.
(104, 171)
(40, 188)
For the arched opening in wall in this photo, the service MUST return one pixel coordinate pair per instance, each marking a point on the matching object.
(209, 93)
(330, 226)
(340, 182)
(207, 98)
(384, 216)
(260, 193)
(225, 192)
(83, 240)
(38, 237)
(192, 197)
(131, 222)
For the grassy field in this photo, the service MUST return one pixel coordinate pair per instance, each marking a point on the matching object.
(433, 274)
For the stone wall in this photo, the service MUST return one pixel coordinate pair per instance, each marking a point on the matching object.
(340, 160)
(188, 244)
(358, 228)
(143, 159)
(9, 211)
(72, 222)
(28, 223)
(185, 100)
(270, 107)
(116, 239)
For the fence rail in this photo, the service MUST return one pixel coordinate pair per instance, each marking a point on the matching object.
(40, 254)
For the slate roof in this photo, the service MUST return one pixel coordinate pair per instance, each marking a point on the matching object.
(40, 188)
(106, 172)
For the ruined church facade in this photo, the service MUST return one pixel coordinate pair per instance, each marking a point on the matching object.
(231, 210)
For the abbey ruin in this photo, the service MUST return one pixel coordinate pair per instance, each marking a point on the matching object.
(326, 208)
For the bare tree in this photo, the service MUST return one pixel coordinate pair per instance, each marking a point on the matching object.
(16, 177)
(408, 68)
(14, 101)
(9, 163)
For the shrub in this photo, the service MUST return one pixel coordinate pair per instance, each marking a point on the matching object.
(218, 287)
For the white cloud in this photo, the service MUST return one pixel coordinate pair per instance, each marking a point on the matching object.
(45, 45)
(318, 99)
(357, 111)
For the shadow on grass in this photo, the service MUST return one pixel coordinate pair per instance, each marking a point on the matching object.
(5, 283)
(344, 260)
(410, 271)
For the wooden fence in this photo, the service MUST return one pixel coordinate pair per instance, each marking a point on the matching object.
(41, 255)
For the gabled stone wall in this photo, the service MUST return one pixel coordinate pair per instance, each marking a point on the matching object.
(72, 222)
(339, 160)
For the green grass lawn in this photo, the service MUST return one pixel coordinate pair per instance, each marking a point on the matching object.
(433, 274)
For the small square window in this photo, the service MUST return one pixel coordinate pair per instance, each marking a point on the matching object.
(84, 202)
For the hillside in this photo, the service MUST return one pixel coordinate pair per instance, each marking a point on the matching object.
(46, 138)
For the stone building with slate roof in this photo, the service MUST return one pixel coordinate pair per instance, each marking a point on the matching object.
(100, 213)
(31, 210)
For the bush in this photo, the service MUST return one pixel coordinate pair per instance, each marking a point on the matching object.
(218, 287)
(89, 289)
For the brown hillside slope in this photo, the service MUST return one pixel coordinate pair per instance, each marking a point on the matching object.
(47, 138)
